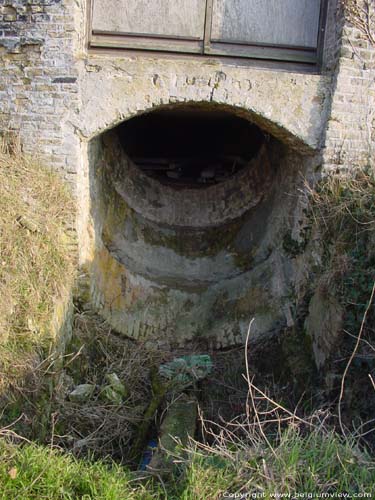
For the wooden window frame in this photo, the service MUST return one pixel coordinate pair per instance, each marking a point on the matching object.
(206, 46)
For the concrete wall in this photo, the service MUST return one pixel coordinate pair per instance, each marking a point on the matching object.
(59, 98)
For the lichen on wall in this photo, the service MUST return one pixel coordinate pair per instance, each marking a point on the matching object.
(172, 278)
(150, 278)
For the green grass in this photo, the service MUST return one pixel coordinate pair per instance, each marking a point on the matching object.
(319, 462)
(31, 472)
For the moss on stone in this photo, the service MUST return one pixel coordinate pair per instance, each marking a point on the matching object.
(244, 260)
(159, 390)
(298, 355)
(192, 243)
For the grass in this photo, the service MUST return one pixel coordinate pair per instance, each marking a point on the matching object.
(36, 261)
(286, 455)
(319, 462)
(343, 206)
(31, 472)
(316, 462)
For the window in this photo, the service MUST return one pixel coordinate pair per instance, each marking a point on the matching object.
(289, 30)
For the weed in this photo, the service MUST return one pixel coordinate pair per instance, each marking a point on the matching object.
(31, 472)
(36, 266)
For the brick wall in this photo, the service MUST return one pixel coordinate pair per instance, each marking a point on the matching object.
(349, 135)
(39, 81)
(40, 76)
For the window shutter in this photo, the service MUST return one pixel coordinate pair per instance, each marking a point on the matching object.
(151, 24)
(286, 30)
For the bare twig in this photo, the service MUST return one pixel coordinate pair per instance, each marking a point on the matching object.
(352, 357)
(361, 14)
(251, 386)
(372, 380)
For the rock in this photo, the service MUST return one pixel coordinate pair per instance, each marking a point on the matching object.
(179, 423)
(111, 395)
(82, 393)
(178, 426)
(323, 325)
(116, 384)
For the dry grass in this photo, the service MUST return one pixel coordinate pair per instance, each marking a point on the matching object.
(343, 212)
(343, 206)
(36, 263)
(98, 427)
(298, 455)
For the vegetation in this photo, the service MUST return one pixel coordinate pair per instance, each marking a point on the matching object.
(31, 472)
(313, 462)
(100, 427)
(35, 212)
(343, 209)
(83, 448)
(361, 14)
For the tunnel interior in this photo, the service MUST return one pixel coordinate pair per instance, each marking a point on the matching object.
(189, 206)
(190, 147)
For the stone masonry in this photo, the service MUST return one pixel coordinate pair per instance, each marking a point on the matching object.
(62, 99)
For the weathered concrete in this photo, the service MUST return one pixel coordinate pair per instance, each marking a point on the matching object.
(247, 259)
(164, 274)
(130, 86)
(323, 325)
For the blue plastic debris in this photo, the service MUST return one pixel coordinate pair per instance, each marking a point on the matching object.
(147, 454)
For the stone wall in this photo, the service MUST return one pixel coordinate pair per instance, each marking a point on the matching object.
(349, 136)
(60, 98)
(39, 78)
(44, 65)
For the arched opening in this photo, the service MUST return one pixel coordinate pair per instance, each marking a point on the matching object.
(190, 147)
(186, 207)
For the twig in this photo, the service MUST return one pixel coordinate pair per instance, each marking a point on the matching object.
(251, 390)
(362, 340)
(352, 357)
(372, 380)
